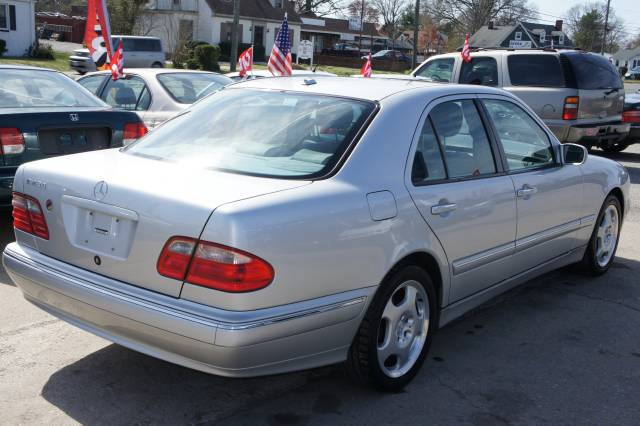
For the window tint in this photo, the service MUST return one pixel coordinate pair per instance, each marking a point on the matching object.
(146, 45)
(464, 139)
(535, 70)
(92, 83)
(593, 71)
(128, 94)
(267, 133)
(186, 88)
(439, 70)
(481, 70)
(4, 20)
(427, 163)
(524, 142)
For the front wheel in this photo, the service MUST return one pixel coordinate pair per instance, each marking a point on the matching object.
(618, 147)
(604, 240)
(396, 332)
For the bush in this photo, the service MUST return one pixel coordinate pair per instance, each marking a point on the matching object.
(206, 57)
(3, 47)
(39, 51)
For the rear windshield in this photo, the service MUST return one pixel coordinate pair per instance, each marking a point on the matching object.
(42, 89)
(593, 71)
(535, 71)
(186, 88)
(260, 132)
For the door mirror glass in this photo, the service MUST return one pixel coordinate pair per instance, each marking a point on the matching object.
(574, 154)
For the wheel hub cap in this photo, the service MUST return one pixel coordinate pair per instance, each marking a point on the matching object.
(607, 236)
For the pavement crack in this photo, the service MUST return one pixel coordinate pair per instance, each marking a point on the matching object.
(28, 327)
(602, 299)
(459, 393)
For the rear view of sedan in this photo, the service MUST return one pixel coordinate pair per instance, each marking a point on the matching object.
(154, 94)
(289, 223)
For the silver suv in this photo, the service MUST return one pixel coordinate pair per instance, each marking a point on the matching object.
(579, 95)
(139, 52)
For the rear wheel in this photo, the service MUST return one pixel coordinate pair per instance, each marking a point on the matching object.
(617, 147)
(604, 240)
(396, 332)
(157, 65)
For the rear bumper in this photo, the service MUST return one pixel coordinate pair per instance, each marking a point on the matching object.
(228, 343)
(591, 134)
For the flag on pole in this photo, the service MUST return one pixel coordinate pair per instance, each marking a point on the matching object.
(117, 62)
(280, 58)
(97, 35)
(466, 50)
(245, 61)
(366, 69)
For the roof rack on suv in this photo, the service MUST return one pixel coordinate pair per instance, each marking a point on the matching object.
(544, 49)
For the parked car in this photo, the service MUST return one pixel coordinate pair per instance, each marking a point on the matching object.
(342, 49)
(155, 94)
(280, 224)
(139, 52)
(631, 115)
(389, 55)
(579, 95)
(235, 76)
(44, 113)
(633, 74)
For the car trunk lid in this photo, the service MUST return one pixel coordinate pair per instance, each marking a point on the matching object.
(112, 212)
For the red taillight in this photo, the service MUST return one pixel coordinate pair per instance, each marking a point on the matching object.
(631, 117)
(570, 110)
(28, 216)
(213, 265)
(133, 131)
(11, 140)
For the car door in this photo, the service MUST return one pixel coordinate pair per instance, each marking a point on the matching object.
(549, 193)
(440, 70)
(458, 186)
(482, 70)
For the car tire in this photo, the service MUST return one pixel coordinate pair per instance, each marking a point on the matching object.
(402, 318)
(618, 147)
(602, 246)
(157, 65)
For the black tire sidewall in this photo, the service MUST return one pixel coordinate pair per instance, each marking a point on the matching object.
(590, 255)
(391, 283)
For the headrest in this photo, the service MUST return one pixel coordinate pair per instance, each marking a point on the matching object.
(126, 96)
(447, 118)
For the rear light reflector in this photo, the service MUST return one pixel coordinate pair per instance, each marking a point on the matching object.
(631, 117)
(11, 140)
(133, 132)
(570, 110)
(28, 216)
(214, 266)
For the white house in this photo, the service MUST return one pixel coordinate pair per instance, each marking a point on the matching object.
(17, 25)
(629, 58)
(211, 21)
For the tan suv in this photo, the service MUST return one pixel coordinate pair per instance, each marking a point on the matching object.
(579, 95)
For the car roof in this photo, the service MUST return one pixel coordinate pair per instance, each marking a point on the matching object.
(362, 88)
(267, 73)
(24, 67)
(152, 71)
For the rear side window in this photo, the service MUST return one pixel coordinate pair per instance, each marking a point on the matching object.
(427, 163)
(439, 70)
(147, 45)
(92, 83)
(481, 70)
(129, 94)
(535, 71)
(593, 72)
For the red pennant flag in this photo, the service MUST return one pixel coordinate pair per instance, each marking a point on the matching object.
(466, 50)
(245, 61)
(117, 63)
(366, 69)
(97, 35)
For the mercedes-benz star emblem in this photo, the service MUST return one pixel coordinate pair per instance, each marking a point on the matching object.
(100, 190)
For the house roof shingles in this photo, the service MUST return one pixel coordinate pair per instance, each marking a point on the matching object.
(485, 37)
(259, 9)
(341, 26)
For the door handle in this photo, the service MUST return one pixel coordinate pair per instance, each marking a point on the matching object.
(443, 208)
(526, 191)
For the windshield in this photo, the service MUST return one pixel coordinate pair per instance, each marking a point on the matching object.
(260, 132)
(187, 87)
(42, 89)
(380, 53)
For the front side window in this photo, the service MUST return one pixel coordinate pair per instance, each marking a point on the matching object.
(535, 71)
(186, 88)
(481, 70)
(92, 83)
(129, 93)
(439, 70)
(427, 163)
(260, 132)
(463, 138)
(4, 17)
(524, 142)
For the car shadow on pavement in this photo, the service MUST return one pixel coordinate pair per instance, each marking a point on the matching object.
(559, 325)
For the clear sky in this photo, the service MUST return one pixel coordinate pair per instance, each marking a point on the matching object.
(627, 10)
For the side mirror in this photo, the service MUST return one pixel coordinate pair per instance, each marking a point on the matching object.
(574, 154)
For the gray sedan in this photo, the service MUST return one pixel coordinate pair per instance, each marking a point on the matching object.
(284, 224)
(155, 94)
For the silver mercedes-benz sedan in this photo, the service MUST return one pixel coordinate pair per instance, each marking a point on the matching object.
(288, 223)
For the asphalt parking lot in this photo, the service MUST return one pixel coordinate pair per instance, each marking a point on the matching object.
(560, 349)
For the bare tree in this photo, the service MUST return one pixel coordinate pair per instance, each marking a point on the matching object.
(390, 14)
(369, 14)
(585, 24)
(318, 7)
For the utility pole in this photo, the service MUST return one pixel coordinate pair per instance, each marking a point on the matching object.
(606, 24)
(233, 57)
(361, 27)
(414, 58)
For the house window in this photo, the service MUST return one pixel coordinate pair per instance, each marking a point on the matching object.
(185, 29)
(518, 35)
(543, 37)
(4, 17)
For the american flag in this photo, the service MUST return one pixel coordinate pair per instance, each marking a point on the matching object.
(466, 50)
(280, 58)
(117, 62)
(366, 69)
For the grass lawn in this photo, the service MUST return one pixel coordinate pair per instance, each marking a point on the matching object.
(60, 63)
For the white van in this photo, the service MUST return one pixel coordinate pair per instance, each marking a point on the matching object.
(139, 52)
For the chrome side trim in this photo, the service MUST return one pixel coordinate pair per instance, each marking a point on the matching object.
(546, 235)
(474, 261)
(588, 220)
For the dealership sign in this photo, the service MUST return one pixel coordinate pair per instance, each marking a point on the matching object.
(519, 44)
